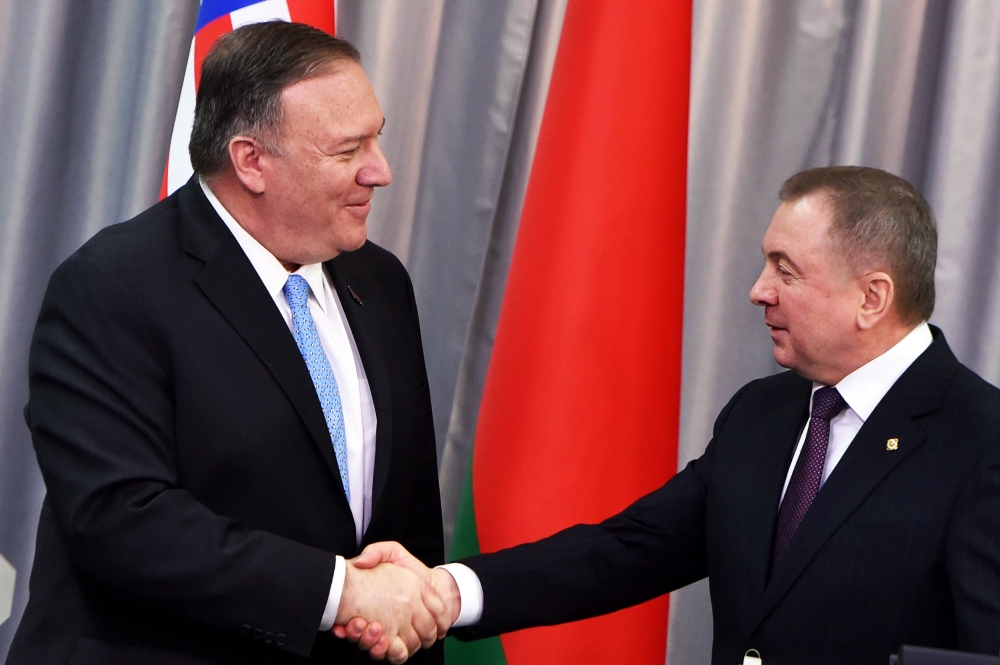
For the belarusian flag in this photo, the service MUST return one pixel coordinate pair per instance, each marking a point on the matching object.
(216, 18)
(581, 405)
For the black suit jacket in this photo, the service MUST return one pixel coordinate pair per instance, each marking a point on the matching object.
(194, 505)
(899, 546)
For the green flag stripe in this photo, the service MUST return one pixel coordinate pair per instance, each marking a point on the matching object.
(465, 542)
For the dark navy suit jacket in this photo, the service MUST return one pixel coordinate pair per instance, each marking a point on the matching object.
(899, 546)
(194, 506)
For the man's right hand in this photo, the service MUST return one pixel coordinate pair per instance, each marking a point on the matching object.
(394, 553)
(370, 635)
(398, 610)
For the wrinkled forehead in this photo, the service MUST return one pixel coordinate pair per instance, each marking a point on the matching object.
(806, 219)
(341, 96)
(338, 77)
(800, 231)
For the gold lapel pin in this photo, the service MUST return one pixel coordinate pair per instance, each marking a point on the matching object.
(892, 444)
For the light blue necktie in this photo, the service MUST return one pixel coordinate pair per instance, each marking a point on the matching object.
(304, 329)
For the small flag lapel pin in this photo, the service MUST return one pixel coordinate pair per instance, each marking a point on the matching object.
(354, 294)
(892, 444)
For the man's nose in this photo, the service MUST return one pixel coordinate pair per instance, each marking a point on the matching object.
(761, 293)
(376, 172)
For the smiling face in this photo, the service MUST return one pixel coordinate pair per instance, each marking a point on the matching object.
(810, 298)
(316, 194)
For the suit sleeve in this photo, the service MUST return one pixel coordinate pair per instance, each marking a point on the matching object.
(101, 415)
(973, 559)
(656, 545)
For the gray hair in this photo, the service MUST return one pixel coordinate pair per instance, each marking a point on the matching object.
(880, 222)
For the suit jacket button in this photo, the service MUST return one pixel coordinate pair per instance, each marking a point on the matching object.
(258, 633)
(280, 641)
(245, 629)
(268, 637)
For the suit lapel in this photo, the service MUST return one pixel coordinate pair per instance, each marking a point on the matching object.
(230, 282)
(777, 445)
(867, 462)
(360, 305)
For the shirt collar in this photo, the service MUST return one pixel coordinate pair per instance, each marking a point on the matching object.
(865, 387)
(270, 270)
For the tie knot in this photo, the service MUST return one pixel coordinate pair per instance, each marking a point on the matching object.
(296, 291)
(827, 403)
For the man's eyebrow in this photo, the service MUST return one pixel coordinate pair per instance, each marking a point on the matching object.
(357, 138)
(781, 256)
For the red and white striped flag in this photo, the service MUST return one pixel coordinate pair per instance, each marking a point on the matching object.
(216, 18)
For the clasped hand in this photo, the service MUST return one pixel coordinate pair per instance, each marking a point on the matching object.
(392, 604)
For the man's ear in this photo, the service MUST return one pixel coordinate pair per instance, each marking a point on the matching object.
(879, 293)
(245, 154)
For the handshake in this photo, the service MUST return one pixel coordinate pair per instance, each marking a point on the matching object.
(392, 604)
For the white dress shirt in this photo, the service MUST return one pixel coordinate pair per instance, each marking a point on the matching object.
(862, 389)
(342, 352)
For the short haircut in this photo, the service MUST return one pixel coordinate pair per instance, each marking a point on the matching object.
(880, 222)
(242, 78)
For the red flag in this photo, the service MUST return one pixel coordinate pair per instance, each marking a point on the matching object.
(581, 404)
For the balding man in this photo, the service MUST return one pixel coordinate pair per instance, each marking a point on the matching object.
(228, 393)
(842, 508)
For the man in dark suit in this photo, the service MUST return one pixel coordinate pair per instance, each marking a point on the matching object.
(841, 509)
(228, 393)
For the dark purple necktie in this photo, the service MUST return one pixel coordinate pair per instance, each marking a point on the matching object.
(808, 473)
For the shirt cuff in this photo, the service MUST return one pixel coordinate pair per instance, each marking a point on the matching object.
(470, 591)
(336, 591)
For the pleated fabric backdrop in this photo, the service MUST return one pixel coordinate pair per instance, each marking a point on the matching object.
(580, 409)
(88, 91)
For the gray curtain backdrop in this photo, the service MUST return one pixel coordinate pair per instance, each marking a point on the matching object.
(88, 90)
(910, 86)
(462, 85)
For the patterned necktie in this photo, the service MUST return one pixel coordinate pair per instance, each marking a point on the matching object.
(804, 485)
(304, 330)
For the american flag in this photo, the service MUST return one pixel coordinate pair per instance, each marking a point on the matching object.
(216, 18)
